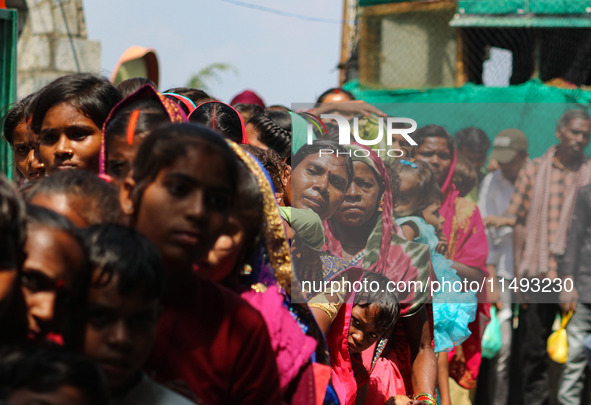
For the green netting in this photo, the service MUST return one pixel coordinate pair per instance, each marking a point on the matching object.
(8, 37)
(532, 107)
(365, 3)
(509, 6)
(524, 6)
(530, 21)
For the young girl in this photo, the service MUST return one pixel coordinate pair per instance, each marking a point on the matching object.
(419, 218)
(26, 157)
(373, 317)
(180, 196)
(271, 129)
(252, 258)
(222, 118)
(68, 115)
(128, 124)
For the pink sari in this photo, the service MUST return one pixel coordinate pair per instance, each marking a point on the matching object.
(465, 233)
(400, 260)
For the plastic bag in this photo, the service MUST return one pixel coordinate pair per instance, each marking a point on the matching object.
(491, 339)
(557, 346)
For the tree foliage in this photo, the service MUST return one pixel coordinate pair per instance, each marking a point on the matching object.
(209, 73)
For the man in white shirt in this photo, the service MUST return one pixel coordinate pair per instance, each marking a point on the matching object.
(510, 151)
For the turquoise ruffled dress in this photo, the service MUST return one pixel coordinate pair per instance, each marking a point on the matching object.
(452, 311)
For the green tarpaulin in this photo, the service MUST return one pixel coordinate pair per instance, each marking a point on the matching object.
(8, 37)
(524, 6)
(532, 107)
(509, 6)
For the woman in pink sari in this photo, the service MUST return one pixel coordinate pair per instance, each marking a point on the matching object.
(468, 247)
(362, 234)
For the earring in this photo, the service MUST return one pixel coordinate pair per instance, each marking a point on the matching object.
(246, 270)
(381, 205)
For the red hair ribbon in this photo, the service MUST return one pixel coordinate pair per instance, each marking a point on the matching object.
(131, 126)
(105, 177)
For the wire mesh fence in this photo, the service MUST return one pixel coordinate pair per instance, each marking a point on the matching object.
(429, 44)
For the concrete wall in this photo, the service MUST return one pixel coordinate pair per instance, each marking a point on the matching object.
(45, 49)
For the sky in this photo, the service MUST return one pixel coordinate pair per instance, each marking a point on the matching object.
(285, 59)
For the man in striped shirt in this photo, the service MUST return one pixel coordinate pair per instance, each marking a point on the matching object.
(542, 203)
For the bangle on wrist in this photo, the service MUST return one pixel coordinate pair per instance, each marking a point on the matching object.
(430, 399)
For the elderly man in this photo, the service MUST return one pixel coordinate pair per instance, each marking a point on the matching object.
(542, 203)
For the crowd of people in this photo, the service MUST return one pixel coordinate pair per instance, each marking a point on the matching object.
(159, 248)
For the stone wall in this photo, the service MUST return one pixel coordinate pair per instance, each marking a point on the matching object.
(45, 49)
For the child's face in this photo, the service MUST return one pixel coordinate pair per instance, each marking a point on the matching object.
(119, 332)
(362, 330)
(121, 156)
(185, 209)
(26, 157)
(54, 259)
(69, 140)
(432, 216)
(407, 208)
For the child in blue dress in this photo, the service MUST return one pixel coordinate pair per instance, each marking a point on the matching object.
(418, 200)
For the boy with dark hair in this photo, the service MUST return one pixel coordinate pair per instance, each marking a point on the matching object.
(50, 376)
(122, 310)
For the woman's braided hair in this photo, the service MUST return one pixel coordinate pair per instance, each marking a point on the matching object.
(274, 128)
